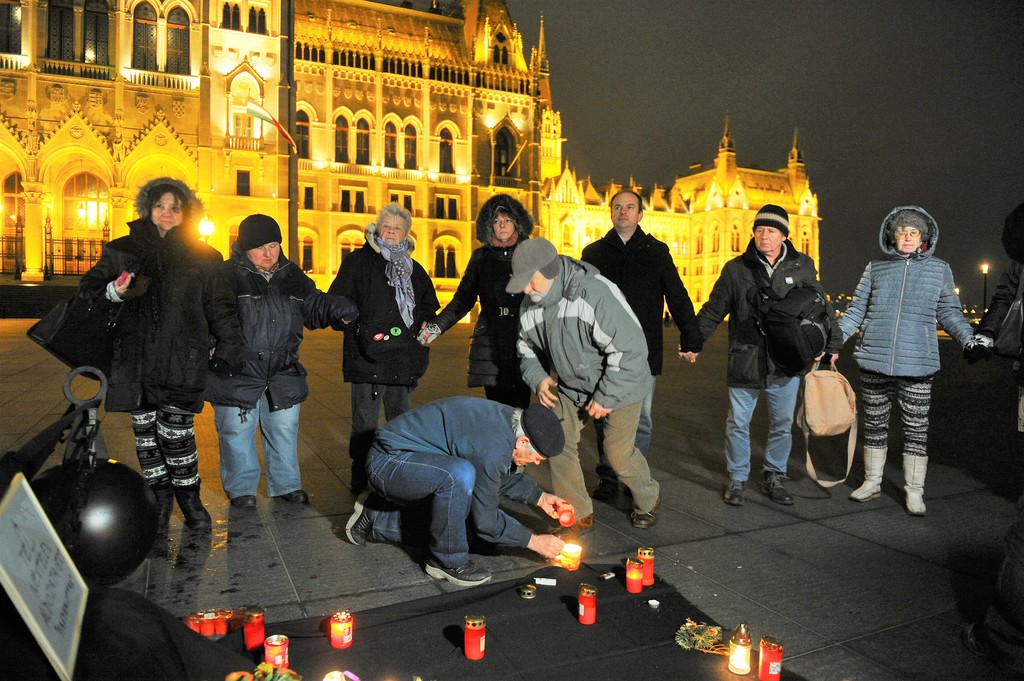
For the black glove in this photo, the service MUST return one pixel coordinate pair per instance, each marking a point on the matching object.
(975, 352)
(222, 369)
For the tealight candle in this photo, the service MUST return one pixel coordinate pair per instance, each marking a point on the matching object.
(634, 576)
(646, 556)
(341, 629)
(570, 556)
(275, 651)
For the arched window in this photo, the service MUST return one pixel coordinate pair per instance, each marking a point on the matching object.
(144, 45)
(302, 134)
(444, 155)
(178, 42)
(86, 205)
(363, 142)
(699, 247)
(261, 22)
(12, 203)
(410, 147)
(349, 243)
(504, 147)
(444, 262)
(96, 26)
(307, 254)
(716, 241)
(734, 240)
(236, 18)
(390, 145)
(61, 30)
(341, 140)
(225, 16)
(500, 52)
(10, 28)
(251, 27)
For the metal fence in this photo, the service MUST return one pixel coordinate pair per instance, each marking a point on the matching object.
(71, 257)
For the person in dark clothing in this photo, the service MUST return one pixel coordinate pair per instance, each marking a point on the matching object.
(381, 357)
(642, 267)
(175, 308)
(770, 260)
(450, 460)
(275, 301)
(1000, 635)
(501, 225)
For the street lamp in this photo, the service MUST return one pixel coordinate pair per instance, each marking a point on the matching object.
(205, 229)
(984, 279)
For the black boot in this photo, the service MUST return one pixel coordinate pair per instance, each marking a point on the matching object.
(165, 505)
(196, 515)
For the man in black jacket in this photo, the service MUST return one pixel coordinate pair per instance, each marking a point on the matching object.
(275, 301)
(642, 267)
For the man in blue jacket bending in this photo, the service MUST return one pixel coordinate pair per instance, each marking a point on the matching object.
(451, 460)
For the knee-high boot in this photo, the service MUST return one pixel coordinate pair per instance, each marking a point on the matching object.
(196, 515)
(164, 504)
(874, 467)
(914, 470)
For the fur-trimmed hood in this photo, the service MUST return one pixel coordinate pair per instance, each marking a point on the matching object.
(370, 234)
(511, 206)
(915, 216)
(193, 207)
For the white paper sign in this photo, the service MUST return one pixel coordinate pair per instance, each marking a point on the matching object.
(40, 577)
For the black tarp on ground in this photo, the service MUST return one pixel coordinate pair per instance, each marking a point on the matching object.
(526, 639)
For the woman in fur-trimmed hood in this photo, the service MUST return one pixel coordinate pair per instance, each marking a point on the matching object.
(173, 306)
(895, 307)
(501, 225)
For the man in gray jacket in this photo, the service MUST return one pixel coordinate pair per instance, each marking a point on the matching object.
(769, 261)
(578, 323)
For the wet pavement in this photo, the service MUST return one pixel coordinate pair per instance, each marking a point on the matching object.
(854, 591)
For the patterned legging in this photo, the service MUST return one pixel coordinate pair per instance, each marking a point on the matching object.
(914, 396)
(165, 440)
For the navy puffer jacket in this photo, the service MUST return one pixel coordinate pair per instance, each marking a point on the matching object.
(896, 305)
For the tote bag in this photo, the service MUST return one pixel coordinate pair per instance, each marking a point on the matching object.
(829, 408)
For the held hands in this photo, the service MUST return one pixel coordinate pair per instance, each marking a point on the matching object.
(428, 333)
(978, 348)
(547, 392)
(690, 357)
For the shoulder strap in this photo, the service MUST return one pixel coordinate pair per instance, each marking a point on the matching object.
(851, 444)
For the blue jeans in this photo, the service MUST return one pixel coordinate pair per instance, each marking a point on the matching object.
(781, 406)
(407, 478)
(239, 463)
(644, 430)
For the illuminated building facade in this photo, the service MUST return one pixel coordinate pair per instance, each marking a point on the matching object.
(437, 107)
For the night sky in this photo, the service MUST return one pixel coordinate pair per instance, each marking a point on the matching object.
(897, 102)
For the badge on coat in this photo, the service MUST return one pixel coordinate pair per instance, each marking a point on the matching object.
(789, 280)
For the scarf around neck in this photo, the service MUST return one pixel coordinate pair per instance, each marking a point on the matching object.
(399, 273)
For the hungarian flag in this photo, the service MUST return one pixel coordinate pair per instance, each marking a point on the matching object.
(257, 111)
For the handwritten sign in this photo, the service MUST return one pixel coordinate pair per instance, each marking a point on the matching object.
(40, 577)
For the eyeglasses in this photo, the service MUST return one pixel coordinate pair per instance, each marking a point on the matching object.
(908, 231)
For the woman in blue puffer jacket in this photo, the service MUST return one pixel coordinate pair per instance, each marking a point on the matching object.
(895, 308)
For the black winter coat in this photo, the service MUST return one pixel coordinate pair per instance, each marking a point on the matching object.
(643, 268)
(750, 365)
(493, 359)
(380, 349)
(272, 315)
(165, 334)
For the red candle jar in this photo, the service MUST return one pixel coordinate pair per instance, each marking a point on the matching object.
(221, 621)
(476, 633)
(646, 556)
(207, 623)
(770, 665)
(566, 516)
(588, 604)
(634, 576)
(341, 629)
(194, 621)
(254, 627)
(275, 651)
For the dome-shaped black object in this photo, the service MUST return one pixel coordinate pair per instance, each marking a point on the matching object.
(105, 515)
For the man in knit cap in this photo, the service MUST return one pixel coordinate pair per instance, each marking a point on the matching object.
(770, 261)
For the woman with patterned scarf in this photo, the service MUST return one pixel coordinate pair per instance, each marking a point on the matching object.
(380, 357)
(502, 223)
